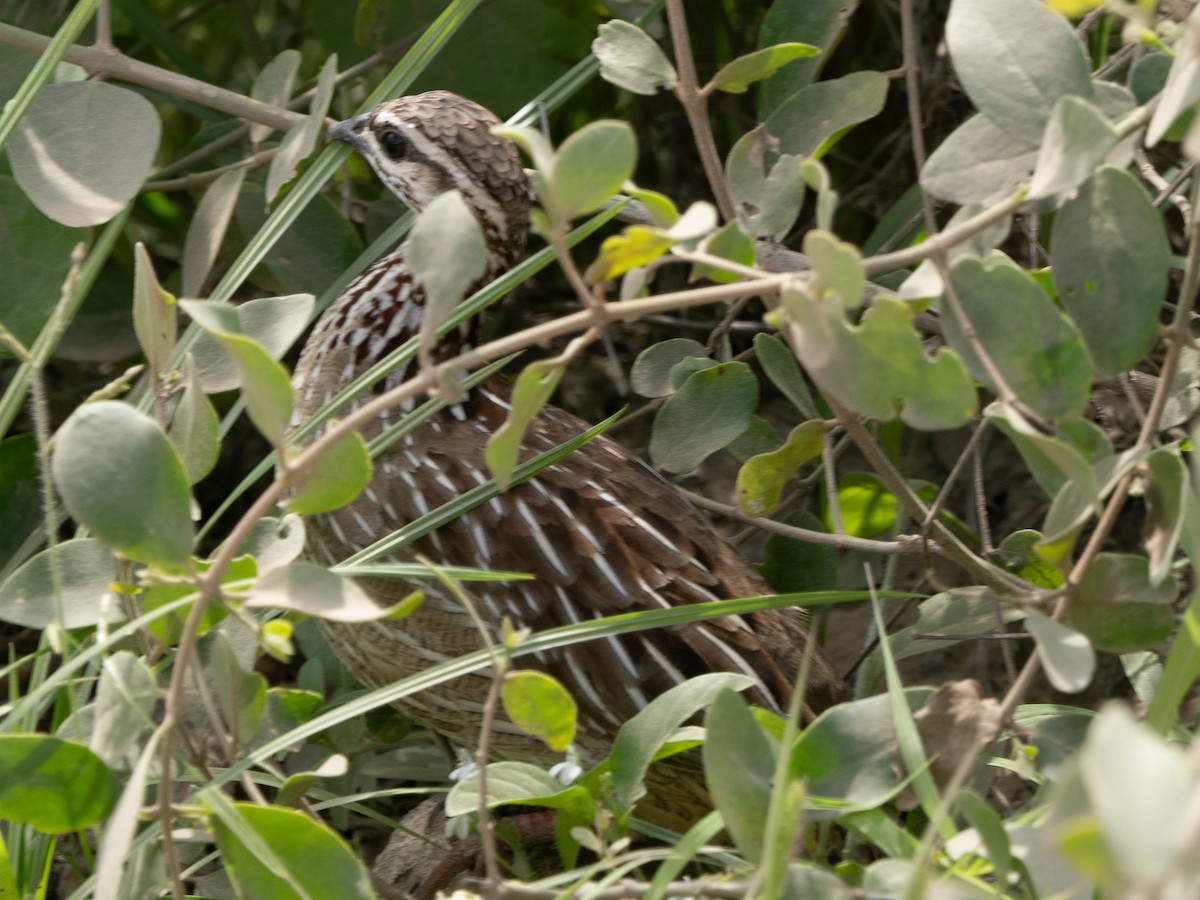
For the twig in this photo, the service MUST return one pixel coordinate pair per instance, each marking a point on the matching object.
(904, 545)
(114, 64)
(695, 106)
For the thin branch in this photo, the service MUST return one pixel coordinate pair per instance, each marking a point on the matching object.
(904, 545)
(111, 63)
(695, 106)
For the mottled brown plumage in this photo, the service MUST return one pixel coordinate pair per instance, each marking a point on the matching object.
(602, 532)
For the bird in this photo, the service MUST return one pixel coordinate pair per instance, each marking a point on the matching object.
(601, 531)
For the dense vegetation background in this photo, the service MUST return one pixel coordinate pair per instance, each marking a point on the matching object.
(916, 285)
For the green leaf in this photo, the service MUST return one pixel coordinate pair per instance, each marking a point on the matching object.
(1118, 607)
(868, 508)
(838, 267)
(651, 373)
(535, 385)
(124, 712)
(927, 393)
(780, 366)
(119, 476)
(539, 705)
(83, 150)
(1067, 656)
(636, 246)
(85, 568)
(592, 165)
(154, 316)
(709, 411)
(1134, 780)
(767, 186)
(513, 782)
(273, 84)
(240, 696)
(737, 76)
(53, 785)
(208, 228)
(640, 738)
(339, 475)
(810, 122)
(301, 138)
(195, 430)
(272, 853)
(266, 387)
(1167, 491)
(274, 322)
(820, 23)
(446, 251)
(848, 753)
(794, 566)
(979, 163)
(1033, 346)
(316, 591)
(760, 482)
(729, 242)
(1052, 461)
(1179, 93)
(630, 59)
(1078, 138)
(1110, 263)
(1015, 59)
(739, 767)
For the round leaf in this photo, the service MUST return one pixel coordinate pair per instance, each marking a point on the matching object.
(539, 705)
(1110, 260)
(712, 408)
(1067, 656)
(1119, 608)
(54, 785)
(630, 58)
(591, 166)
(83, 149)
(339, 475)
(1035, 348)
(651, 372)
(447, 253)
(1015, 58)
(119, 476)
(85, 570)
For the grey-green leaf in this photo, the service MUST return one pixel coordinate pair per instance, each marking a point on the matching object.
(447, 253)
(630, 59)
(274, 85)
(208, 228)
(737, 76)
(274, 322)
(591, 165)
(739, 767)
(119, 476)
(1034, 347)
(651, 372)
(978, 163)
(1110, 260)
(1015, 58)
(712, 408)
(809, 122)
(1078, 137)
(195, 429)
(1067, 656)
(154, 312)
(84, 149)
(85, 569)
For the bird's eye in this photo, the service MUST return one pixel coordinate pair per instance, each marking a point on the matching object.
(393, 143)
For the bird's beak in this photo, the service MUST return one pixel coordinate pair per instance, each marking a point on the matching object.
(350, 132)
